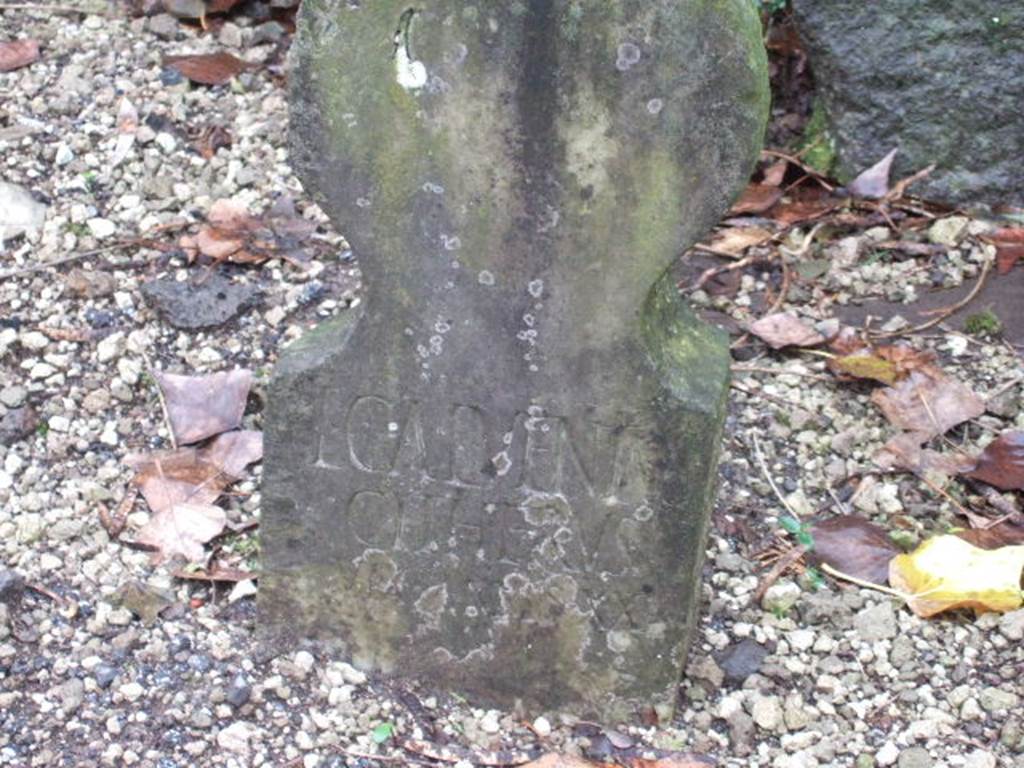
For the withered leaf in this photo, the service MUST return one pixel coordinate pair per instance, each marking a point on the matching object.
(853, 545)
(1003, 534)
(928, 401)
(15, 54)
(865, 367)
(208, 68)
(735, 240)
(874, 182)
(757, 198)
(1001, 464)
(201, 406)
(784, 329)
(183, 530)
(907, 451)
(177, 477)
(1009, 243)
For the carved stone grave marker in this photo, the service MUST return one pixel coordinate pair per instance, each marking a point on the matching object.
(496, 475)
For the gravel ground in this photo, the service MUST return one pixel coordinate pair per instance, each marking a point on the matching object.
(837, 676)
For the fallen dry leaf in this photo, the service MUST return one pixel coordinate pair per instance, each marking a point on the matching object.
(946, 572)
(182, 531)
(177, 477)
(874, 182)
(1001, 464)
(999, 535)
(15, 54)
(735, 240)
(784, 329)
(1009, 243)
(201, 406)
(757, 198)
(865, 366)
(928, 401)
(681, 760)
(853, 545)
(211, 139)
(208, 68)
(906, 451)
(233, 234)
(232, 452)
(564, 761)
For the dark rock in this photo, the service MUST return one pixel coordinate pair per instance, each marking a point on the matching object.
(268, 32)
(496, 474)
(203, 302)
(238, 692)
(12, 586)
(17, 424)
(741, 660)
(941, 81)
(105, 674)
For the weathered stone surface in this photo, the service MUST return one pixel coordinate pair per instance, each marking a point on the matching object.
(940, 80)
(497, 476)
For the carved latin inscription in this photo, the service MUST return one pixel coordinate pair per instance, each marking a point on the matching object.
(421, 477)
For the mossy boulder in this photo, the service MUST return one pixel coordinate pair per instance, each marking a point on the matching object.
(942, 81)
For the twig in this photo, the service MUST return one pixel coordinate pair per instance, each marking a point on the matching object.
(945, 313)
(868, 584)
(779, 372)
(801, 165)
(66, 260)
(714, 251)
(713, 272)
(784, 562)
(163, 400)
(768, 477)
(1005, 387)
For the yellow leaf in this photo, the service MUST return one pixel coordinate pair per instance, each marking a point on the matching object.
(946, 572)
(867, 367)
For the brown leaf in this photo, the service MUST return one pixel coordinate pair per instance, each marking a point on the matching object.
(784, 329)
(757, 198)
(678, 760)
(208, 68)
(201, 406)
(564, 761)
(853, 545)
(183, 530)
(775, 173)
(865, 366)
(177, 477)
(232, 452)
(735, 240)
(211, 139)
(1009, 243)
(907, 451)
(15, 54)
(874, 182)
(928, 401)
(1001, 464)
(232, 234)
(800, 210)
(1006, 534)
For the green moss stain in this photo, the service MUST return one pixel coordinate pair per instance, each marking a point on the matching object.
(818, 146)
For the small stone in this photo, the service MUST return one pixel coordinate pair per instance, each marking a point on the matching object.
(949, 231)
(164, 26)
(707, 670)
(304, 661)
(59, 423)
(997, 700)
(71, 694)
(63, 155)
(542, 727)
(887, 755)
(12, 585)
(34, 340)
(19, 211)
(1011, 625)
(101, 228)
(740, 660)
(979, 758)
(915, 757)
(17, 424)
(110, 348)
(131, 691)
(268, 32)
(238, 692)
(864, 761)
(185, 9)
(741, 732)
(13, 396)
(235, 738)
(767, 713)
(877, 622)
(801, 639)
(490, 723)
(104, 674)
(780, 597)
(231, 35)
